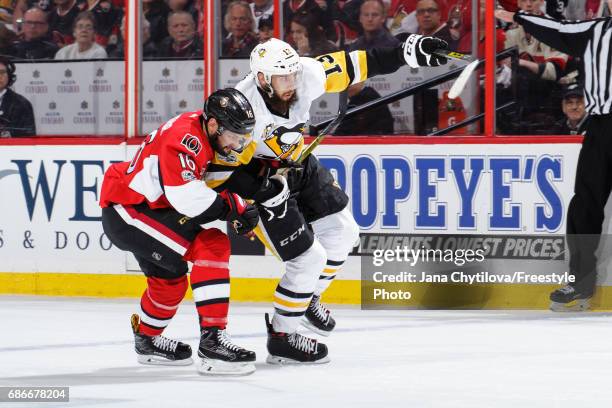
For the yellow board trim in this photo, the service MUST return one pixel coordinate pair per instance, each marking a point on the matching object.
(424, 295)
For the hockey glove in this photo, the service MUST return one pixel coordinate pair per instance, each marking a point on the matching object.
(418, 51)
(276, 206)
(242, 216)
(293, 172)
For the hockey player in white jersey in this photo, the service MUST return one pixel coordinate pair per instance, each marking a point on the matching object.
(304, 216)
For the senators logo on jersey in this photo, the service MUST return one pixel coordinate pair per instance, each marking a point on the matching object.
(284, 141)
(192, 143)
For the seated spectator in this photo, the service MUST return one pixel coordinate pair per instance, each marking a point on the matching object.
(402, 16)
(262, 9)
(539, 69)
(21, 6)
(36, 43)
(84, 46)
(16, 113)
(372, 18)
(429, 19)
(239, 22)
(308, 37)
(574, 111)
(378, 121)
(184, 5)
(107, 19)
(156, 12)
(293, 7)
(61, 20)
(149, 50)
(265, 29)
(182, 42)
(536, 57)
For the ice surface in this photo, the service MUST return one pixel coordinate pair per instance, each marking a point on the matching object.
(379, 359)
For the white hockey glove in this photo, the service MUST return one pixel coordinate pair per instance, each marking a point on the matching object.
(418, 51)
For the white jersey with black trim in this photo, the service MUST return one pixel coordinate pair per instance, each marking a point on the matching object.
(280, 137)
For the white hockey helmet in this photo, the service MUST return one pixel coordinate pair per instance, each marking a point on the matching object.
(274, 57)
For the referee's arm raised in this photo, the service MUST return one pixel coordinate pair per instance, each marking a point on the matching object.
(569, 37)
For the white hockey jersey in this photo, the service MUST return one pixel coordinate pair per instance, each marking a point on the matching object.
(279, 137)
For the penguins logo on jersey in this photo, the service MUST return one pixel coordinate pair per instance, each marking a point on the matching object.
(283, 141)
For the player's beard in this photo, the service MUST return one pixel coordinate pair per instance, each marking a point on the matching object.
(281, 105)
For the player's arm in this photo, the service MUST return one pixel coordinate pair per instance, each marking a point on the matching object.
(569, 37)
(180, 168)
(343, 69)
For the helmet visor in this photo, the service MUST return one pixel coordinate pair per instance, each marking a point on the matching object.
(285, 83)
(229, 140)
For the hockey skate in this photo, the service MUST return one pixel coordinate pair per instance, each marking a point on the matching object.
(293, 348)
(159, 350)
(219, 356)
(570, 299)
(318, 318)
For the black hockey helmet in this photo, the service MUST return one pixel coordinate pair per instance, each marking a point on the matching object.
(231, 109)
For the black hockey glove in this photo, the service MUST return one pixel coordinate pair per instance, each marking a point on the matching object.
(242, 216)
(418, 51)
(276, 206)
(293, 172)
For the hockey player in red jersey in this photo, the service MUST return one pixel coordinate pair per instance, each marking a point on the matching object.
(154, 207)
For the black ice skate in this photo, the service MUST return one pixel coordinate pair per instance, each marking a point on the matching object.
(286, 348)
(570, 299)
(318, 318)
(159, 350)
(219, 356)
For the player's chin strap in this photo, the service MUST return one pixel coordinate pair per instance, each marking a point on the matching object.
(267, 88)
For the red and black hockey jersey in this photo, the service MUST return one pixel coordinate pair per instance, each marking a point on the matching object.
(166, 171)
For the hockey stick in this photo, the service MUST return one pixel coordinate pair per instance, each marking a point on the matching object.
(461, 81)
(329, 129)
(454, 55)
(455, 90)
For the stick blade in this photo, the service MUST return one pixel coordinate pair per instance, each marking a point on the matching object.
(462, 79)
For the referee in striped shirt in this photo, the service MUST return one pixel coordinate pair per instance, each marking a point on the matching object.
(590, 40)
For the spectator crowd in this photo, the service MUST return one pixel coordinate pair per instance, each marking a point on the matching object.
(94, 29)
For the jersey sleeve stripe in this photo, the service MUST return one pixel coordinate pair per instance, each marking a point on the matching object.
(360, 66)
(192, 198)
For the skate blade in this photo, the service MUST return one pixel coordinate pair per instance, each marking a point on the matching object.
(158, 360)
(306, 323)
(578, 305)
(208, 366)
(277, 360)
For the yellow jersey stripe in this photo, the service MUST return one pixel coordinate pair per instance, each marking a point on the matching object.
(290, 304)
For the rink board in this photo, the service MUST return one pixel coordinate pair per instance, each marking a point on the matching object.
(52, 243)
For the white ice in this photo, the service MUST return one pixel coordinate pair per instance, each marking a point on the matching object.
(378, 359)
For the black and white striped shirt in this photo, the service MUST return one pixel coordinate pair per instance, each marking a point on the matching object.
(590, 40)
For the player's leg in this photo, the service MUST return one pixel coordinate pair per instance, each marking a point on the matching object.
(285, 231)
(324, 205)
(158, 241)
(210, 253)
(337, 233)
(585, 217)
